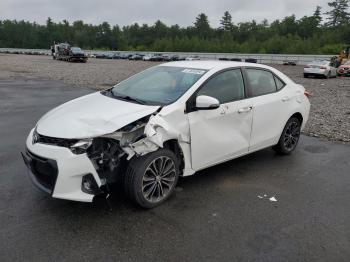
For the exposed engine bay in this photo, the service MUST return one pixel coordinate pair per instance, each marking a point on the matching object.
(110, 153)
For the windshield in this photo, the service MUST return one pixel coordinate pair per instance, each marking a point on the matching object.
(160, 85)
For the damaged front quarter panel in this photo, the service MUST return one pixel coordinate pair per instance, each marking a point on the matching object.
(145, 135)
(156, 132)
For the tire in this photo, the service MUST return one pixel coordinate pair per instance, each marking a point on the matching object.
(289, 138)
(328, 75)
(306, 76)
(144, 186)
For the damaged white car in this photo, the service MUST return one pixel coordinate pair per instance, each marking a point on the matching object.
(168, 121)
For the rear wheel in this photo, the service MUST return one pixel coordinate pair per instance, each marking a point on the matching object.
(289, 138)
(151, 179)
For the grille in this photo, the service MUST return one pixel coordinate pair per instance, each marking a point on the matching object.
(62, 142)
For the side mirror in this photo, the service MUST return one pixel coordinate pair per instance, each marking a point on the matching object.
(207, 103)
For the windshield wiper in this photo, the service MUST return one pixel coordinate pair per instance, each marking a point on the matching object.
(129, 98)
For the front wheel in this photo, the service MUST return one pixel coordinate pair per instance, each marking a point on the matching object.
(289, 138)
(151, 179)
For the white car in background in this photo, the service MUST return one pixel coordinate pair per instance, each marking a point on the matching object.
(192, 58)
(320, 68)
(171, 120)
(147, 57)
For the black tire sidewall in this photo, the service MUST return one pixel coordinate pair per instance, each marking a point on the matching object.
(136, 169)
(280, 146)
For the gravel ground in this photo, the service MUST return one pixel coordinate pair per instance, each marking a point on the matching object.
(330, 100)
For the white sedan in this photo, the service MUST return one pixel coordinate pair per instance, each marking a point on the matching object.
(320, 69)
(168, 121)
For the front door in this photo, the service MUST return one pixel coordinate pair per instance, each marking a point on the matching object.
(221, 134)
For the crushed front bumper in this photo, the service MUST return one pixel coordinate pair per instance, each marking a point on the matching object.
(59, 172)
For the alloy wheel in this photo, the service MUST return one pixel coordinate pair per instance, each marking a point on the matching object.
(158, 179)
(291, 135)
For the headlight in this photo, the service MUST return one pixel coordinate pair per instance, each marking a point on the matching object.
(81, 146)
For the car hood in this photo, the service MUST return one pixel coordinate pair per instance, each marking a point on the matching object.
(91, 116)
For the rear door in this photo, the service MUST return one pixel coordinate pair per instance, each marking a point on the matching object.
(271, 101)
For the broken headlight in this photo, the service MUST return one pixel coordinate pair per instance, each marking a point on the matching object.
(81, 146)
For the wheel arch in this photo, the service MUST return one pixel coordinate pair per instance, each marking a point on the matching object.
(297, 115)
(174, 146)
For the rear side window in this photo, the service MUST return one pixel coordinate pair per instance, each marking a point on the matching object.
(279, 83)
(226, 87)
(261, 82)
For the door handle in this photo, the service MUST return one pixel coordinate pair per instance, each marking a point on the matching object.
(245, 110)
(285, 99)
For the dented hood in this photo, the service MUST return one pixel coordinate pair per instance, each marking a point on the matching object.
(90, 116)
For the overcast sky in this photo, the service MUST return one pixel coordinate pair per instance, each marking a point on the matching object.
(180, 12)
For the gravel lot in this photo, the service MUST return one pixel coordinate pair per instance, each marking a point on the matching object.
(330, 111)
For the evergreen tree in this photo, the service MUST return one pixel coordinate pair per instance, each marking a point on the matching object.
(339, 14)
(202, 26)
(317, 15)
(226, 22)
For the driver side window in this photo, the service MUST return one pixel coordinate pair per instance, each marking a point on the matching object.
(227, 86)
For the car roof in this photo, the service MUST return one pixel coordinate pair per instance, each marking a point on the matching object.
(212, 64)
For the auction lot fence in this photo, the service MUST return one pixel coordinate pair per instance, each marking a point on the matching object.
(261, 58)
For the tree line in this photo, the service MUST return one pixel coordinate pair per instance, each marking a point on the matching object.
(307, 35)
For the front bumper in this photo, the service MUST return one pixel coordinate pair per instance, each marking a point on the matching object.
(48, 163)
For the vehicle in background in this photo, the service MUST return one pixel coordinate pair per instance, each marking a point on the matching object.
(192, 58)
(136, 57)
(344, 70)
(174, 58)
(166, 58)
(170, 120)
(125, 56)
(100, 55)
(147, 57)
(230, 59)
(157, 58)
(342, 58)
(320, 68)
(116, 55)
(66, 52)
(251, 60)
(109, 56)
(290, 62)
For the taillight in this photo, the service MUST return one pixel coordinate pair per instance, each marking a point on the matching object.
(307, 94)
